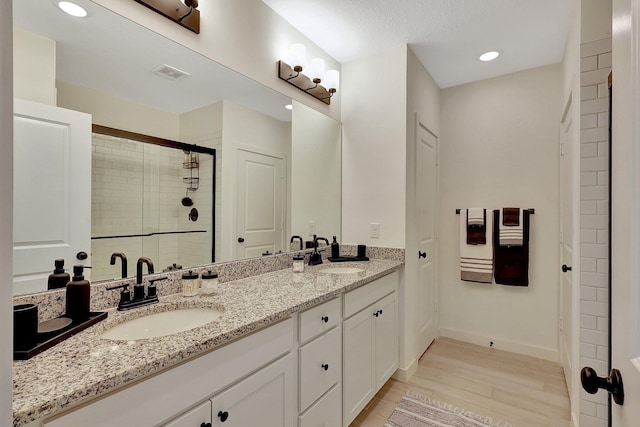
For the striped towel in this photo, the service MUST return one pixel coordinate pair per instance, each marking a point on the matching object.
(476, 261)
(510, 235)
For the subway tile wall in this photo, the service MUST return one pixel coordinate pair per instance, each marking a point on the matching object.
(594, 219)
(137, 189)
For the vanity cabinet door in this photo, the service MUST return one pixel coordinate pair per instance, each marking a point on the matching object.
(386, 326)
(199, 416)
(358, 364)
(265, 399)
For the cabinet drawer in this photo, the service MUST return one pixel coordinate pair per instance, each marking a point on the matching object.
(326, 412)
(320, 366)
(319, 319)
(366, 295)
(197, 416)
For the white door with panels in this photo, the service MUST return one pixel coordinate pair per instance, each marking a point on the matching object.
(260, 204)
(426, 157)
(569, 200)
(52, 192)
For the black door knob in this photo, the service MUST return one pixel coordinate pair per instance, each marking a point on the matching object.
(82, 255)
(591, 383)
(240, 239)
(422, 254)
(223, 416)
(565, 268)
(325, 319)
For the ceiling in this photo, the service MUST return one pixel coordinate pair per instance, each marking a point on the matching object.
(448, 36)
(110, 54)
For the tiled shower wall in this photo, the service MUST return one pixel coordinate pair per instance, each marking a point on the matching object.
(594, 219)
(136, 190)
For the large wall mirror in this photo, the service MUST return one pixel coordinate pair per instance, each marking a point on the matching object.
(277, 170)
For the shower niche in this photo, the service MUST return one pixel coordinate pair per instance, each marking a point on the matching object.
(150, 197)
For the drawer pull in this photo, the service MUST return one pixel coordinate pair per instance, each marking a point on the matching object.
(325, 319)
(325, 366)
(205, 425)
(223, 416)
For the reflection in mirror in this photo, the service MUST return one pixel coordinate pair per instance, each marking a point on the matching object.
(103, 66)
(144, 191)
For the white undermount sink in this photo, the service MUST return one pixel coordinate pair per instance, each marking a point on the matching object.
(161, 324)
(342, 270)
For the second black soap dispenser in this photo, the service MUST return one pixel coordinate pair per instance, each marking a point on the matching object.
(78, 296)
(58, 279)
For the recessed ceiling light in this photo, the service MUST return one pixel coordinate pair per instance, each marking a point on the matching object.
(72, 9)
(289, 107)
(489, 56)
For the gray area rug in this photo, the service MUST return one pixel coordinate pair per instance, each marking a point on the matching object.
(415, 411)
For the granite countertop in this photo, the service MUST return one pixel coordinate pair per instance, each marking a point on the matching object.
(86, 366)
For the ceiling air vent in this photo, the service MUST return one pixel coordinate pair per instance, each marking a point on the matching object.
(170, 72)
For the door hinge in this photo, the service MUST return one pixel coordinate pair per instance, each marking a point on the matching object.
(561, 325)
(561, 237)
(435, 307)
(562, 148)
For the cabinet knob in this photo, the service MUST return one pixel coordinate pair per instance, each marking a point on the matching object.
(205, 425)
(223, 416)
(422, 254)
(325, 366)
(240, 239)
(325, 319)
(377, 313)
(565, 268)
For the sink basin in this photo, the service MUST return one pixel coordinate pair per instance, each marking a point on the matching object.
(161, 324)
(342, 270)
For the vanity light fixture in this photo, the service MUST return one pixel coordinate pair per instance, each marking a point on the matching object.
(308, 78)
(72, 9)
(182, 12)
(489, 56)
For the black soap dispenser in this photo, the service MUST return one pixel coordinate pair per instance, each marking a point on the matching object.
(78, 295)
(335, 248)
(58, 279)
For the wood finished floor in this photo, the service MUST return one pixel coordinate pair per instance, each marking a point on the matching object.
(513, 388)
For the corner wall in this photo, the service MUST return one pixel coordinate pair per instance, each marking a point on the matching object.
(6, 211)
(374, 138)
(499, 147)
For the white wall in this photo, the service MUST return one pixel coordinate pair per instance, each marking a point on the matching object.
(423, 100)
(246, 36)
(374, 137)
(34, 67)
(499, 147)
(316, 173)
(6, 212)
(119, 113)
(596, 16)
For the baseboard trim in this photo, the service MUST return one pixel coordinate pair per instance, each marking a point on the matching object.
(502, 344)
(404, 374)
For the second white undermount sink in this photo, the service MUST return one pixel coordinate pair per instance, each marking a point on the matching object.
(161, 324)
(342, 270)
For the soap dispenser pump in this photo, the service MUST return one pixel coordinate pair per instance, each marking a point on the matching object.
(78, 295)
(58, 279)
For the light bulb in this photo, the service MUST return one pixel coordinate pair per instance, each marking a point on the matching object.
(316, 70)
(297, 56)
(489, 56)
(72, 9)
(332, 80)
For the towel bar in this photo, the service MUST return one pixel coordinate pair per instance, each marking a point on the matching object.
(531, 211)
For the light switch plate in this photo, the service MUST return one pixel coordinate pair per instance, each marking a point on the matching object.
(375, 230)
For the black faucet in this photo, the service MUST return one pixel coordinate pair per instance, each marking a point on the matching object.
(123, 257)
(297, 238)
(315, 257)
(138, 289)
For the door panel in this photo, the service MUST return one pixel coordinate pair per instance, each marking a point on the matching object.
(426, 207)
(568, 306)
(52, 191)
(260, 204)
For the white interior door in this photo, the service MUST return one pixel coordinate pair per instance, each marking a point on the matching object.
(260, 204)
(52, 191)
(426, 156)
(625, 211)
(568, 203)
